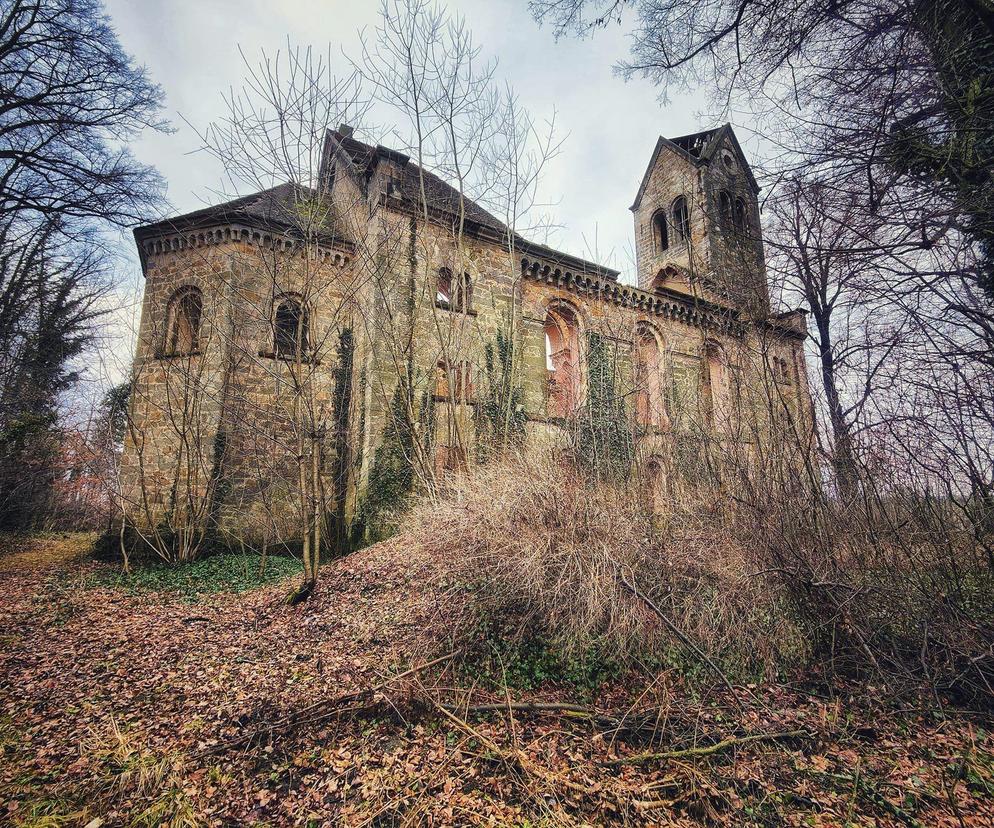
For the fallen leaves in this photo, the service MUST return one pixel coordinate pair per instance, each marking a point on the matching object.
(115, 707)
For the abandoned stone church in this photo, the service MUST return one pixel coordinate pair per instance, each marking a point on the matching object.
(317, 351)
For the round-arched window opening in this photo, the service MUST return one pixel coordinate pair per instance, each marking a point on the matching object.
(649, 407)
(660, 231)
(728, 160)
(183, 315)
(725, 208)
(681, 218)
(741, 216)
(290, 328)
(562, 361)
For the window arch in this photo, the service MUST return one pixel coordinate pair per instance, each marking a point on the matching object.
(660, 232)
(183, 315)
(741, 215)
(290, 327)
(681, 219)
(562, 360)
(443, 288)
(725, 208)
(455, 294)
(649, 406)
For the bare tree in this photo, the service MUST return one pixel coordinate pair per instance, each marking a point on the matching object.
(70, 101)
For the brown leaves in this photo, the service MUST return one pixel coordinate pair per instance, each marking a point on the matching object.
(125, 708)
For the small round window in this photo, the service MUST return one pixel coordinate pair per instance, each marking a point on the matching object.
(728, 159)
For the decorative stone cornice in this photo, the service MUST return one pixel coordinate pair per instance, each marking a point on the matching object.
(178, 240)
(689, 311)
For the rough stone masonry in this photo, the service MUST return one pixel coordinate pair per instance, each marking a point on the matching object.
(312, 353)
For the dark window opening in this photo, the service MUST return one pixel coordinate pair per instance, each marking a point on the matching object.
(681, 218)
(290, 329)
(454, 294)
(725, 208)
(660, 230)
(740, 215)
(183, 322)
(443, 290)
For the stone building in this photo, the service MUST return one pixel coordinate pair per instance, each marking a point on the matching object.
(311, 354)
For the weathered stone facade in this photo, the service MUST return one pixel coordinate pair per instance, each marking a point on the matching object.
(342, 345)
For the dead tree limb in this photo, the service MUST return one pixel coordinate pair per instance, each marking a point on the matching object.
(708, 750)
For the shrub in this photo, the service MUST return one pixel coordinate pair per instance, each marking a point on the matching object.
(774, 576)
(540, 546)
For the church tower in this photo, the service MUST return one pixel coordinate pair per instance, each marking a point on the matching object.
(697, 227)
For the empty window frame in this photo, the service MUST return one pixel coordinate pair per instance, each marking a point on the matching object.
(649, 405)
(562, 361)
(183, 315)
(660, 230)
(290, 328)
(681, 219)
(455, 294)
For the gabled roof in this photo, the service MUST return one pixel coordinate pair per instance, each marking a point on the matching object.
(699, 149)
(275, 208)
(443, 199)
(440, 196)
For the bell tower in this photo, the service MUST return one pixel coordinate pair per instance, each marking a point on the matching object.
(697, 225)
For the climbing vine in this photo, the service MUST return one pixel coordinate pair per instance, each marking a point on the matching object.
(500, 413)
(603, 441)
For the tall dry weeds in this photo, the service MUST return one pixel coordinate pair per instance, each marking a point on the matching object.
(765, 578)
(541, 546)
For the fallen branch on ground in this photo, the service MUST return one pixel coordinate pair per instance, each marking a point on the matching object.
(708, 750)
(318, 711)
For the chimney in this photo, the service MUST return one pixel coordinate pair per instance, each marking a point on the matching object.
(345, 130)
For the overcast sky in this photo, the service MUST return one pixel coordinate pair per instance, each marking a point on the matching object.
(191, 48)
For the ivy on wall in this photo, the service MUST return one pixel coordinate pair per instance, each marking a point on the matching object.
(603, 441)
(392, 476)
(500, 412)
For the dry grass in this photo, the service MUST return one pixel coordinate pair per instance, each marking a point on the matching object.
(887, 587)
(545, 560)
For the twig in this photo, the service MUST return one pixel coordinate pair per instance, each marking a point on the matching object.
(632, 587)
(581, 710)
(708, 750)
(316, 712)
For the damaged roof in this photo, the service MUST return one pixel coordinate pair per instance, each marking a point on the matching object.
(698, 148)
(280, 207)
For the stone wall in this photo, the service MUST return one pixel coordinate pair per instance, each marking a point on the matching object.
(222, 434)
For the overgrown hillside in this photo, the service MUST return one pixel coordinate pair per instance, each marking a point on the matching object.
(129, 704)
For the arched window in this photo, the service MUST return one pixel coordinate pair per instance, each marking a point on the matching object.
(454, 294)
(443, 290)
(183, 322)
(649, 408)
(725, 208)
(660, 232)
(290, 328)
(741, 215)
(783, 371)
(681, 219)
(562, 361)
